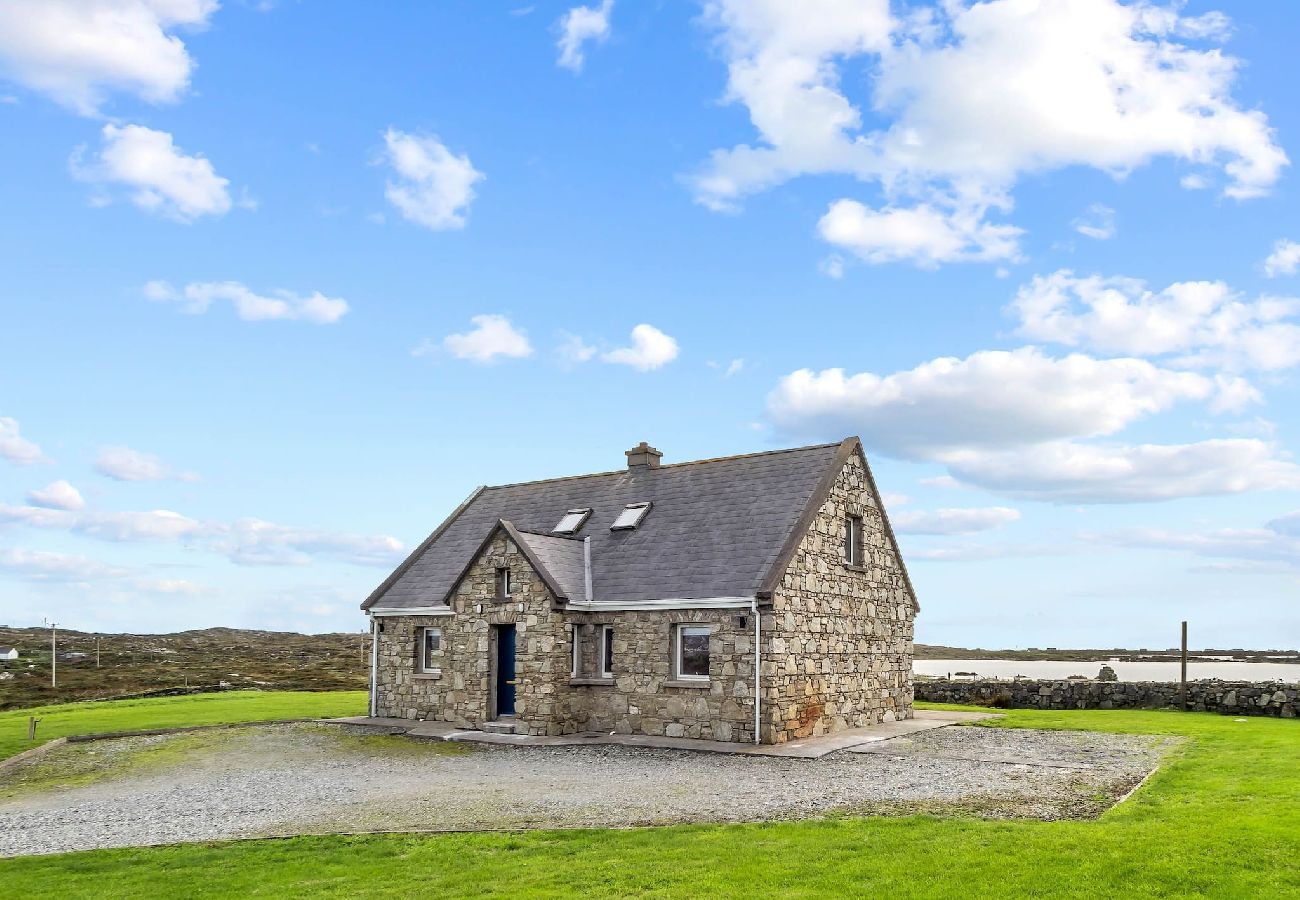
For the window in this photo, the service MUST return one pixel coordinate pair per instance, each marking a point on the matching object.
(853, 540)
(607, 651)
(577, 650)
(503, 582)
(430, 650)
(693, 651)
(630, 517)
(573, 520)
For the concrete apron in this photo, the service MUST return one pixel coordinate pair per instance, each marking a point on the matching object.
(804, 748)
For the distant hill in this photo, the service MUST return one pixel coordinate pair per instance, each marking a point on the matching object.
(138, 663)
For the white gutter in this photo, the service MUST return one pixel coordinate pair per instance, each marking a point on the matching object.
(586, 566)
(441, 610)
(374, 667)
(681, 603)
(757, 658)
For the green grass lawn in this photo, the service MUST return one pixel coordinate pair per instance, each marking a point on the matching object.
(172, 712)
(1220, 819)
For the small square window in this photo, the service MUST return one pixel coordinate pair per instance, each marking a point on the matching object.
(607, 651)
(430, 649)
(503, 582)
(572, 522)
(630, 517)
(693, 651)
(853, 540)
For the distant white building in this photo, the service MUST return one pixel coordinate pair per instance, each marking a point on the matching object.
(8, 652)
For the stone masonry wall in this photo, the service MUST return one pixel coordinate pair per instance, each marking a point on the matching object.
(464, 692)
(838, 639)
(642, 697)
(1237, 698)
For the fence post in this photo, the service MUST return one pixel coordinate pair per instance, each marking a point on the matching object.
(1182, 685)
(31, 727)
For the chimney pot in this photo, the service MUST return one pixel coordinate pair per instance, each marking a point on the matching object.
(643, 456)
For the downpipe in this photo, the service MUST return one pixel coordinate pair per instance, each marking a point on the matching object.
(758, 656)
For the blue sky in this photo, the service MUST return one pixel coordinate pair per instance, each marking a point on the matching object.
(284, 281)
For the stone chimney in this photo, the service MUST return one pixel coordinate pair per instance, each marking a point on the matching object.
(643, 456)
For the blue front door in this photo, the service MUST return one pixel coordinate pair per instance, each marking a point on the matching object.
(505, 670)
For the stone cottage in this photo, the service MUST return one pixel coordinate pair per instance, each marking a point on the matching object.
(757, 598)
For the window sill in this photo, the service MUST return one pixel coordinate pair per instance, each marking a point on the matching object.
(592, 681)
(688, 683)
(854, 567)
(427, 676)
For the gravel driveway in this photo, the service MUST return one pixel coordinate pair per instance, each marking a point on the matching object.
(297, 779)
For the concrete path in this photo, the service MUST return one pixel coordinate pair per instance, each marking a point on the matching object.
(805, 748)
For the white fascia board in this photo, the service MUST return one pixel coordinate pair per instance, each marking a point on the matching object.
(410, 611)
(684, 603)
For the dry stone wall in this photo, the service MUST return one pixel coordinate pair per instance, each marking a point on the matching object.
(838, 639)
(1237, 698)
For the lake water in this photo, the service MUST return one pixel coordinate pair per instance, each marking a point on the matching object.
(1127, 671)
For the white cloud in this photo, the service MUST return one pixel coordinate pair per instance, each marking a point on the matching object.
(38, 565)
(151, 525)
(197, 297)
(1284, 260)
(976, 96)
(573, 349)
(492, 336)
(1278, 542)
(579, 26)
(125, 464)
(57, 495)
(1068, 472)
(256, 542)
(990, 399)
(16, 448)
(1204, 322)
(159, 177)
(729, 369)
(246, 541)
(76, 51)
(1098, 222)
(650, 349)
(434, 187)
(952, 521)
(923, 234)
(832, 266)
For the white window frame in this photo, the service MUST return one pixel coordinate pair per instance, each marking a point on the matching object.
(426, 666)
(631, 516)
(577, 650)
(853, 540)
(581, 516)
(606, 651)
(506, 583)
(682, 630)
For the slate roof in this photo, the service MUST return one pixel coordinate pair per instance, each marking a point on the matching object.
(717, 528)
(562, 558)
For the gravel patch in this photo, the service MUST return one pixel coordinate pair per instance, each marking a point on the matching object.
(300, 779)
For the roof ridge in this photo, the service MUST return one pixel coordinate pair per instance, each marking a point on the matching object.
(689, 462)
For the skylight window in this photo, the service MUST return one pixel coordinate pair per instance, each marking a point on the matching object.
(572, 521)
(630, 517)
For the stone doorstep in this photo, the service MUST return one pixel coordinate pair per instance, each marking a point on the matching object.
(806, 748)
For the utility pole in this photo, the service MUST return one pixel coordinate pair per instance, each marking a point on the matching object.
(1182, 689)
(54, 653)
